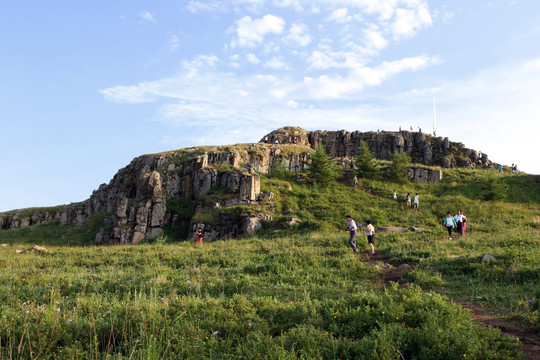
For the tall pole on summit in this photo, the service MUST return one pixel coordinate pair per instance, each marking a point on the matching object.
(434, 118)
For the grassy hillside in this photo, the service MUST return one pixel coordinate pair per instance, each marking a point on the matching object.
(296, 293)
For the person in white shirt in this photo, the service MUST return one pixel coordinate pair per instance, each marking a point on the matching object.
(370, 232)
(394, 195)
(459, 224)
(352, 230)
(416, 202)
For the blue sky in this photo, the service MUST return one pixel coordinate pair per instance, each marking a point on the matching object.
(89, 85)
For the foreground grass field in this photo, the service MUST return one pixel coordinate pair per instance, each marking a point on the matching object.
(306, 297)
(298, 293)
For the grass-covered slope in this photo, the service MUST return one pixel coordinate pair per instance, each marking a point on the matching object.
(296, 293)
(305, 297)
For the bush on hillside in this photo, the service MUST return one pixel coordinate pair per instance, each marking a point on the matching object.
(364, 161)
(398, 168)
(321, 171)
(495, 189)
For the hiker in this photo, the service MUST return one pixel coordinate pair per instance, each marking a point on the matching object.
(352, 230)
(500, 168)
(449, 223)
(355, 180)
(416, 202)
(199, 233)
(459, 223)
(463, 223)
(342, 163)
(394, 195)
(265, 139)
(408, 199)
(370, 232)
(295, 140)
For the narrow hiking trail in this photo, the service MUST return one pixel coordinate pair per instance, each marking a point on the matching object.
(531, 342)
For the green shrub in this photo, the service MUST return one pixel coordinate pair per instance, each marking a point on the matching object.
(322, 171)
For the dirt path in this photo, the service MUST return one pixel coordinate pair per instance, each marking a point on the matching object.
(531, 342)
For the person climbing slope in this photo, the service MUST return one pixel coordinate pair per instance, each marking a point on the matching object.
(370, 233)
(352, 230)
(449, 223)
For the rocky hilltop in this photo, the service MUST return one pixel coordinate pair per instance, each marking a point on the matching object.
(423, 148)
(141, 198)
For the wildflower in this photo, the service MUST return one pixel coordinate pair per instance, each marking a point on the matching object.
(57, 310)
(24, 303)
(189, 282)
(215, 333)
(57, 302)
(68, 321)
(249, 325)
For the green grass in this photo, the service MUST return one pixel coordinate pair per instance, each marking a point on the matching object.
(296, 293)
(305, 297)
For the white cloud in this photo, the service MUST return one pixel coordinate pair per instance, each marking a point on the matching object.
(408, 21)
(340, 16)
(200, 62)
(276, 64)
(374, 38)
(326, 59)
(250, 5)
(447, 17)
(252, 58)
(234, 61)
(146, 16)
(298, 35)
(207, 5)
(334, 87)
(174, 43)
(292, 104)
(251, 32)
(294, 4)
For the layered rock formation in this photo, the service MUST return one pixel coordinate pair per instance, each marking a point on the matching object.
(423, 148)
(134, 205)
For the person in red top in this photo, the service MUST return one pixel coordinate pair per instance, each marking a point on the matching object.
(199, 233)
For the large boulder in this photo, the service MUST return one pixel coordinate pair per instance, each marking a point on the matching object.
(251, 225)
(391, 229)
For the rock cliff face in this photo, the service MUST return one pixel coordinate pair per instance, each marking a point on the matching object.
(423, 148)
(135, 202)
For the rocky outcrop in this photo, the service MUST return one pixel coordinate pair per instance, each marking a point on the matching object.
(134, 205)
(135, 201)
(421, 175)
(423, 148)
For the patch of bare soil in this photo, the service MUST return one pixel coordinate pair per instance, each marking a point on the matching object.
(530, 342)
